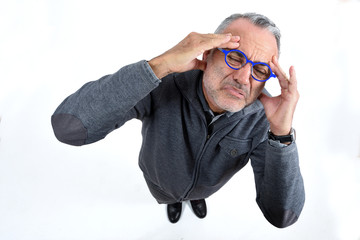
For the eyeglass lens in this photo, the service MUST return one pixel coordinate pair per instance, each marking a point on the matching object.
(237, 60)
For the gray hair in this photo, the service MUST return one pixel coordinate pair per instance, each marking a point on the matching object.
(256, 19)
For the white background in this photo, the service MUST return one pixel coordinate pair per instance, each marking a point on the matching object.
(48, 190)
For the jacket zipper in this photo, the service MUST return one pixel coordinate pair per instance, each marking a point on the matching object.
(198, 160)
(197, 165)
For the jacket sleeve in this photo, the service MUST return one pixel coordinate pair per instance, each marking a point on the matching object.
(101, 106)
(279, 184)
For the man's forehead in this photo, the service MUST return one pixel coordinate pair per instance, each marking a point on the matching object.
(242, 25)
(252, 36)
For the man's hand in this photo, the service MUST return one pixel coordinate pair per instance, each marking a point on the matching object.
(183, 57)
(280, 110)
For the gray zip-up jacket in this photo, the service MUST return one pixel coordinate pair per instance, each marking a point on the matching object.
(182, 157)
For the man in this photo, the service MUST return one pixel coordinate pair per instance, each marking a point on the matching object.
(202, 119)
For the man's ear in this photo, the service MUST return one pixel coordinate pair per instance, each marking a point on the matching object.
(206, 55)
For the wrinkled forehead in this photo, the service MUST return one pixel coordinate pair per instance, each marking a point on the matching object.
(254, 40)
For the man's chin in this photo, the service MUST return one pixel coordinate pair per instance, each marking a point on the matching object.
(234, 106)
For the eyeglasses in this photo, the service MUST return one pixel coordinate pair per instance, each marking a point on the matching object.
(236, 59)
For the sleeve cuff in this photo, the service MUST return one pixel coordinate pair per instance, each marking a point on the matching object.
(150, 72)
(278, 144)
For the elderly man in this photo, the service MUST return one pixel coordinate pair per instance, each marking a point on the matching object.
(202, 120)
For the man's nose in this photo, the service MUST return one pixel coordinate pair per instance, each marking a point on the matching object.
(243, 75)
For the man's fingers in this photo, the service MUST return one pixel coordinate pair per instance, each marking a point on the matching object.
(220, 40)
(287, 84)
(183, 56)
(292, 79)
(280, 74)
(233, 44)
(292, 75)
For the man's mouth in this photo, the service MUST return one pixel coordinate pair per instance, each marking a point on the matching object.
(234, 91)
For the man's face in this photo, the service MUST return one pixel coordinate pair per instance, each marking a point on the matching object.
(226, 89)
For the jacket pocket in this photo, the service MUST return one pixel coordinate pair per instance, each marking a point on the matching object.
(231, 155)
(234, 147)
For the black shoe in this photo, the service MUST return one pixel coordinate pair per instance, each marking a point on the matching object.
(199, 207)
(174, 212)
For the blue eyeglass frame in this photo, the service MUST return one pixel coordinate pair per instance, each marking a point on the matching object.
(247, 61)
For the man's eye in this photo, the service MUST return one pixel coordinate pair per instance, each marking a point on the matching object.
(236, 59)
(261, 71)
